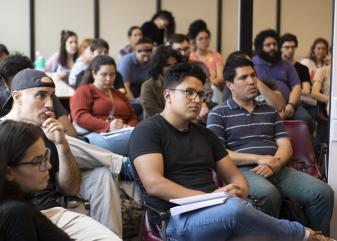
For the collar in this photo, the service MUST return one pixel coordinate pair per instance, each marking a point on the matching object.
(233, 105)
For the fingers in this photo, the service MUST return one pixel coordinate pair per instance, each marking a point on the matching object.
(51, 125)
(262, 170)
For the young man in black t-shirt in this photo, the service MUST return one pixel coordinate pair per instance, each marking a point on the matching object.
(174, 158)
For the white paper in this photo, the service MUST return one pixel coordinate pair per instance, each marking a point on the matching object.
(199, 198)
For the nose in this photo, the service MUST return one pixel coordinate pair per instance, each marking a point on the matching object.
(49, 102)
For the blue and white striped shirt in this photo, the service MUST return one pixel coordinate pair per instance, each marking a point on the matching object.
(245, 132)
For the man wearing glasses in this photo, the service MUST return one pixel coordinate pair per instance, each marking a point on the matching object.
(174, 158)
(134, 67)
(32, 93)
(289, 43)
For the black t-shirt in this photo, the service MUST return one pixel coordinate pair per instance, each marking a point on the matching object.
(47, 198)
(189, 157)
(303, 72)
(21, 222)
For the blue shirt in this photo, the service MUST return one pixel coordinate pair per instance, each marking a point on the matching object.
(133, 72)
(245, 132)
(282, 73)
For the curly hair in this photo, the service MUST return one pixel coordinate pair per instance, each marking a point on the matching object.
(171, 27)
(159, 59)
(260, 37)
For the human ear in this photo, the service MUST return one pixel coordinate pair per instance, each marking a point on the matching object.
(167, 95)
(17, 96)
(9, 175)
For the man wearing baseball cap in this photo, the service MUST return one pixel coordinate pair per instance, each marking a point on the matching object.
(32, 93)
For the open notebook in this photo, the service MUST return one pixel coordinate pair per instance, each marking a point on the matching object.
(117, 132)
(196, 202)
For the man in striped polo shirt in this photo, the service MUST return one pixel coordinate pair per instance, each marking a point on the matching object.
(256, 140)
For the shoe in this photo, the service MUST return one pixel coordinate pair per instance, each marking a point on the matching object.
(316, 236)
(127, 171)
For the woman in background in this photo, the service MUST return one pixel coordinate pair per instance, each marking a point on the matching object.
(97, 107)
(319, 56)
(200, 35)
(24, 168)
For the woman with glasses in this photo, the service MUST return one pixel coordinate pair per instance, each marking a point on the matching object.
(97, 108)
(24, 168)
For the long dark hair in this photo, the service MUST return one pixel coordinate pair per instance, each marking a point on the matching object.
(95, 65)
(65, 34)
(159, 59)
(15, 139)
(313, 46)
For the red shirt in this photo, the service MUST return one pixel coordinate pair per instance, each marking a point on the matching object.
(90, 108)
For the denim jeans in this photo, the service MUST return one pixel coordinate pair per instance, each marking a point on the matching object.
(315, 196)
(233, 220)
(117, 144)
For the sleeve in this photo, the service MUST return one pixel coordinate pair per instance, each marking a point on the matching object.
(148, 99)
(18, 223)
(74, 72)
(293, 76)
(305, 74)
(319, 75)
(219, 150)
(52, 63)
(80, 108)
(124, 68)
(218, 59)
(145, 139)
(58, 107)
(279, 130)
(216, 123)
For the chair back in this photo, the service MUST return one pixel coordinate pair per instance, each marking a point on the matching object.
(304, 158)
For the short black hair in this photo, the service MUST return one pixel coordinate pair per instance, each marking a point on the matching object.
(288, 37)
(159, 59)
(178, 38)
(13, 64)
(260, 37)
(145, 40)
(99, 43)
(233, 64)
(177, 73)
(132, 28)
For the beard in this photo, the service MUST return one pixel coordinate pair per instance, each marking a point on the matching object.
(272, 58)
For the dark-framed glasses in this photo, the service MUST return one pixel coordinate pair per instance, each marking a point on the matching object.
(42, 161)
(191, 94)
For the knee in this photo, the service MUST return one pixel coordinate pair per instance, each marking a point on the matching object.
(324, 194)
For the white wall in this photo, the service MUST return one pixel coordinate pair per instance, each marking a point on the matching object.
(14, 25)
(118, 15)
(51, 17)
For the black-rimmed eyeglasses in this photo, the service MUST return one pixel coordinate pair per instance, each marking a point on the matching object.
(42, 161)
(191, 94)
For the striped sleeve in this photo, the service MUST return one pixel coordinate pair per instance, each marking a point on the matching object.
(215, 122)
(279, 130)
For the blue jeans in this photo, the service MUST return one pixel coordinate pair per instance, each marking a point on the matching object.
(117, 144)
(315, 196)
(233, 220)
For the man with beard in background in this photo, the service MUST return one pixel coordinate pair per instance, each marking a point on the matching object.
(271, 67)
